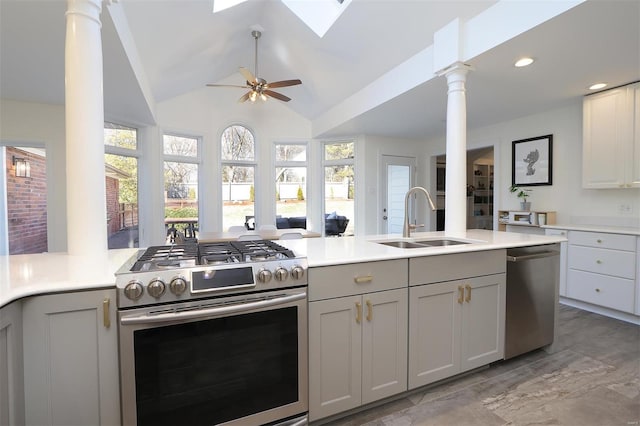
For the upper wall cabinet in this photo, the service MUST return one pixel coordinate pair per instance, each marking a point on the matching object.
(611, 138)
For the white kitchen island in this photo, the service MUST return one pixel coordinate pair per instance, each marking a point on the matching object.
(52, 318)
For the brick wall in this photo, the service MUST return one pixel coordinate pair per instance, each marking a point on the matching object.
(113, 207)
(26, 204)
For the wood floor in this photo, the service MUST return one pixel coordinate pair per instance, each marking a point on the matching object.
(592, 379)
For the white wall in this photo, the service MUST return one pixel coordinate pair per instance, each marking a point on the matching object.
(41, 125)
(566, 195)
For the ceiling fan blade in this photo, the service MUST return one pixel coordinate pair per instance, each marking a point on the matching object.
(228, 85)
(245, 97)
(284, 83)
(276, 95)
(247, 75)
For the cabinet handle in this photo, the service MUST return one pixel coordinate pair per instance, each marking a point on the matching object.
(599, 241)
(599, 262)
(460, 294)
(468, 298)
(106, 317)
(363, 279)
(369, 311)
(358, 312)
(597, 290)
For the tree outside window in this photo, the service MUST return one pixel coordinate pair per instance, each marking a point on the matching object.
(237, 145)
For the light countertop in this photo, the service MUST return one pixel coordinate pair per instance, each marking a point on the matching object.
(32, 274)
(597, 228)
(28, 275)
(343, 250)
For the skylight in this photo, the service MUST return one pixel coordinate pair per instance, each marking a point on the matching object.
(319, 15)
(220, 5)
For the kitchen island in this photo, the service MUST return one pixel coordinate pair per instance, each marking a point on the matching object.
(54, 298)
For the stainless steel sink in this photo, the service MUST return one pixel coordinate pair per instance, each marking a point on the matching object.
(402, 244)
(426, 243)
(442, 242)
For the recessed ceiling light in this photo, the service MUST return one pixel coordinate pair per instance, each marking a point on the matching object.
(523, 62)
(597, 86)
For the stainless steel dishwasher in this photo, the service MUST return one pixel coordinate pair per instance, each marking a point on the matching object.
(532, 284)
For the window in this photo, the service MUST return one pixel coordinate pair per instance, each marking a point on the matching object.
(121, 182)
(181, 155)
(291, 182)
(339, 177)
(238, 176)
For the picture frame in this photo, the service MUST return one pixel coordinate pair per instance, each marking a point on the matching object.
(532, 161)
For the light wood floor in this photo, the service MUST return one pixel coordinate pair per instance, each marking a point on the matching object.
(592, 379)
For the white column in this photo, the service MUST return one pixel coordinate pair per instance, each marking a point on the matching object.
(456, 171)
(86, 204)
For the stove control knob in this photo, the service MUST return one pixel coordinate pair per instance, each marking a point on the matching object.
(264, 275)
(133, 290)
(297, 272)
(156, 288)
(281, 274)
(178, 285)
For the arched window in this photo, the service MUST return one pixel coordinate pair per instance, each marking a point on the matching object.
(237, 145)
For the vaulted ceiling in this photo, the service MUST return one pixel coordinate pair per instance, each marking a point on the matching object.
(158, 49)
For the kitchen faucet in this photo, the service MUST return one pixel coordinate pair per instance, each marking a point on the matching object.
(406, 230)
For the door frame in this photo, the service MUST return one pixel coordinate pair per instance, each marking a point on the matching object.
(384, 162)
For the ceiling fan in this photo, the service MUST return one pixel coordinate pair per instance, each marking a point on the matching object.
(259, 87)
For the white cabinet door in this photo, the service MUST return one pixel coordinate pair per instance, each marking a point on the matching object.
(434, 332)
(357, 351)
(70, 359)
(455, 326)
(635, 153)
(11, 372)
(608, 138)
(335, 345)
(384, 344)
(483, 321)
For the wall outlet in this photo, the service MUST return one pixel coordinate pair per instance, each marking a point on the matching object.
(625, 209)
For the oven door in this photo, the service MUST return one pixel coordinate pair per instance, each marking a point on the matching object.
(238, 360)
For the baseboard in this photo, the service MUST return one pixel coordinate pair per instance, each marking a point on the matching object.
(611, 313)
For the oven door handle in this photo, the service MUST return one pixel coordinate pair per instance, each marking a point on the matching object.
(217, 311)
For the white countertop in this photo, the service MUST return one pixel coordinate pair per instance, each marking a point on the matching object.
(597, 228)
(28, 275)
(31, 274)
(342, 250)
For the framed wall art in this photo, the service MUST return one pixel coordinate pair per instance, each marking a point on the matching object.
(532, 160)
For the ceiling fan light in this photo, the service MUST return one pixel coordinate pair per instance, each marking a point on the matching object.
(263, 97)
(253, 96)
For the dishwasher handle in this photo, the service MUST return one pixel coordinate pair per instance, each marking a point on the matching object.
(526, 257)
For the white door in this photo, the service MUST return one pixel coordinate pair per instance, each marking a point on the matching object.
(398, 176)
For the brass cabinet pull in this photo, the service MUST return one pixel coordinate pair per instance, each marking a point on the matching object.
(363, 279)
(369, 310)
(358, 312)
(468, 298)
(460, 294)
(599, 262)
(599, 240)
(597, 290)
(106, 317)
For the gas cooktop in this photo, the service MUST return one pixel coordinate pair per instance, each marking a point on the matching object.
(166, 274)
(186, 255)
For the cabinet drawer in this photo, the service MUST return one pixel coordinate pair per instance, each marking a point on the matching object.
(449, 267)
(602, 290)
(602, 261)
(356, 278)
(551, 231)
(603, 240)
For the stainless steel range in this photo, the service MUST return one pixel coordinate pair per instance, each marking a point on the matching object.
(214, 333)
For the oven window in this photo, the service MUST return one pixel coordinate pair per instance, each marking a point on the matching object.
(216, 370)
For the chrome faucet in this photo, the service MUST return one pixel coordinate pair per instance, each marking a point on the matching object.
(406, 230)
